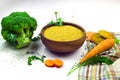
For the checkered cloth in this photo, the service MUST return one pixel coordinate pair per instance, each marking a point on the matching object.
(98, 72)
(102, 71)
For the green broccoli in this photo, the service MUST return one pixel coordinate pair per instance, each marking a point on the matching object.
(18, 28)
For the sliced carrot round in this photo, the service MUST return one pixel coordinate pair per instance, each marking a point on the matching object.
(58, 62)
(49, 63)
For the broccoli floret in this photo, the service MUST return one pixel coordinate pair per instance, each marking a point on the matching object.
(18, 28)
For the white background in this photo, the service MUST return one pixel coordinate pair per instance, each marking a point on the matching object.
(93, 15)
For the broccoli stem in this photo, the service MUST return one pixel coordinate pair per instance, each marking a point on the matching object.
(23, 40)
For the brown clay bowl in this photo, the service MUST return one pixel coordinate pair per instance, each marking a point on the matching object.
(63, 47)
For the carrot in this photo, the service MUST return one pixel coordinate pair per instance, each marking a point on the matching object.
(58, 62)
(52, 63)
(102, 46)
(49, 63)
(89, 35)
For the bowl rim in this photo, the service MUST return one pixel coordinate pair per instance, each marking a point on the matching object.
(64, 23)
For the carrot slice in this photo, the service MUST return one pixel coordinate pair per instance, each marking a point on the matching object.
(58, 62)
(49, 63)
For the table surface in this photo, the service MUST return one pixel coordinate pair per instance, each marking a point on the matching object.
(92, 15)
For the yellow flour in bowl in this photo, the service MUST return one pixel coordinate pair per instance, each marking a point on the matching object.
(63, 33)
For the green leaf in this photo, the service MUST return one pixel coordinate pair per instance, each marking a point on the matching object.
(75, 67)
(36, 38)
(52, 22)
(58, 21)
(31, 58)
(117, 41)
(91, 61)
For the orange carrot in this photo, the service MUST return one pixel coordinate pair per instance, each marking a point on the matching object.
(58, 62)
(52, 63)
(102, 46)
(89, 35)
(49, 63)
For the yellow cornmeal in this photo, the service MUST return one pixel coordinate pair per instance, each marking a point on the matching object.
(63, 33)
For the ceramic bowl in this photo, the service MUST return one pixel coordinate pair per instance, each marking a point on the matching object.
(63, 47)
